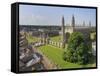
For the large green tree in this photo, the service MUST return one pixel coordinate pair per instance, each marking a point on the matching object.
(77, 50)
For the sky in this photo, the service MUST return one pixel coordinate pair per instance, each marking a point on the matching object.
(49, 15)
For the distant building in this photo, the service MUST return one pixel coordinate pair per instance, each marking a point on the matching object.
(44, 32)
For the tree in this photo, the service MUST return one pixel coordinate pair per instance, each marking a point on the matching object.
(77, 50)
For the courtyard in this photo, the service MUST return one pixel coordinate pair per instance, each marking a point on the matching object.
(54, 54)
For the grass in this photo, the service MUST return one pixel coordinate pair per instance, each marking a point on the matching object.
(56, 38)
(55, 55)
(31, 39)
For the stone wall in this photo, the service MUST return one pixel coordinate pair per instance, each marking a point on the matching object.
(56, 44)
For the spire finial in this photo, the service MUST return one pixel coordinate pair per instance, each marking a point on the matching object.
(89, 23)
(73, 21)
(83, 23)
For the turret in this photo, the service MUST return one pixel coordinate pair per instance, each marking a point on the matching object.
(83, 23)
(63, 32)
(73, 23)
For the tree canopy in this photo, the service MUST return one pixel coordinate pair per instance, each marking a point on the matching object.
(77, 50)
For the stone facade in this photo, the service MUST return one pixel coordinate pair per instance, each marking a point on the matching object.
(65, 30)
(85, 30)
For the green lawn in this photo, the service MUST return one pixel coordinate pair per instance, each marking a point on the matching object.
(55, 55)
(31, 39)
(56, 38)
